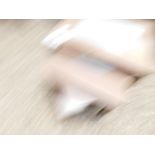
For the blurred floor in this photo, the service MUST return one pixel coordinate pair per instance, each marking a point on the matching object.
(26, 107)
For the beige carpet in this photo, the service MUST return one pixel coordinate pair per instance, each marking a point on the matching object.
(27, 107)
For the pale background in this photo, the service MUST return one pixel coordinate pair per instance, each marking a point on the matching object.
(27, 106)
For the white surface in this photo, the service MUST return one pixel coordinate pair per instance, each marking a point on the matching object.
(73, 101)
(58, 37)
(114, 36)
